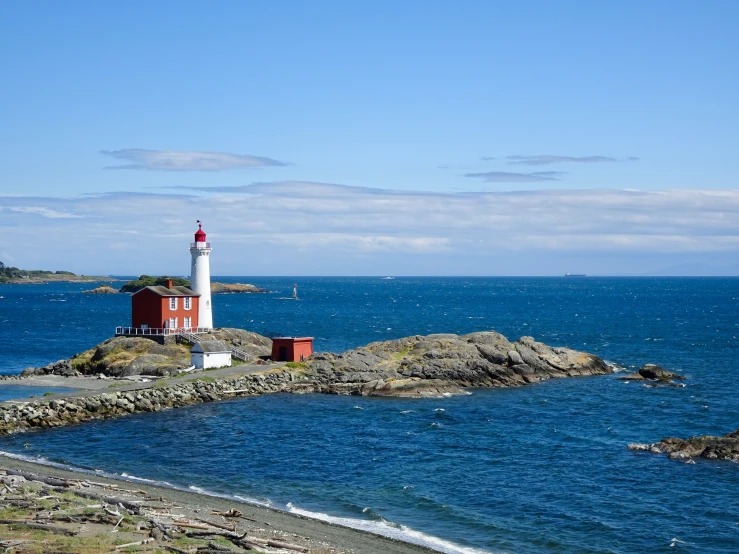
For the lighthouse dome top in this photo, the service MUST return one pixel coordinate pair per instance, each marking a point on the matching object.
(200, 234)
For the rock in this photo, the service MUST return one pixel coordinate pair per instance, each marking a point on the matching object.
(410, 388)
(632, 377)
(725, 447)
(514, 358)
(154, 364)
(32, 371)
(127, 356)
(652, 371)
(522, 369)
(102, 289)
(475, 360)
(234, 288)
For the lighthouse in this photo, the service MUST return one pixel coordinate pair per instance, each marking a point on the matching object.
(200, 277)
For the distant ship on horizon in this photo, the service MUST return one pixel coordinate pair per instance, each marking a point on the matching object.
(575, 275)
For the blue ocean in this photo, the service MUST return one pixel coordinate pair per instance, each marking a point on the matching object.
(536, 469)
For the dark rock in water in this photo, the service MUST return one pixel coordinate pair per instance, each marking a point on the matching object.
(725, 447)
(652, 372)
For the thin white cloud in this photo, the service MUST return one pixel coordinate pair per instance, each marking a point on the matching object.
(510, 177)
(547, 159)
(183, 160)
(44, 212)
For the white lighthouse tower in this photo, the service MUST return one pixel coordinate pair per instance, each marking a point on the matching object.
(200, 277)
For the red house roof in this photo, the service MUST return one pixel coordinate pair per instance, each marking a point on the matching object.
(174, 291)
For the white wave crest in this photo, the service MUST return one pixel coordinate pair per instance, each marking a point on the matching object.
(392, 530)
(129, 477)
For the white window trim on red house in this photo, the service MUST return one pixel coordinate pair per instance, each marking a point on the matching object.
(172, 304)
(188, 303)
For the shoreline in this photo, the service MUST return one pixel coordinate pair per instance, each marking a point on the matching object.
(315, 534)
(50, 278)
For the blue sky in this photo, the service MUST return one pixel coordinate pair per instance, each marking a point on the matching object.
(340, 138)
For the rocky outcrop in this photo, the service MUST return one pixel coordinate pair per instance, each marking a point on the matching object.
(216, 288)
(418, 366)
(652, 372)
(234, 288)
(102, 289)
(411, 366)
(252, 343)
(62, 367)
(149, 281)
(441, 364)
(127, 356)
(709, 447)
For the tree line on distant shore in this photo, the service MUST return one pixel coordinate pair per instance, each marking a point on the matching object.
(149, 281)
(8, 273)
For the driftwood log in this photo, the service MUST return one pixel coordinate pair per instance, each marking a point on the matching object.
(38, 526)
(230, 527)
(51, 481)
(135, 508)
(174, 549)
(238, 540)
(279, 544)
(137, 543)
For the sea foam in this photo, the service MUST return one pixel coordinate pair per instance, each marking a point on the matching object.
(391, 530)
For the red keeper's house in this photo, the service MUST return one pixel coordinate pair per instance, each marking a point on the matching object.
(164, 310)
(291, 349)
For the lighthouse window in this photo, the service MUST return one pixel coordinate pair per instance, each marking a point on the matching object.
(172, 303)
(187, 302)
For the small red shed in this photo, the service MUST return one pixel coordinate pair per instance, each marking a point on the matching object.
(291, 349)
(161, 307)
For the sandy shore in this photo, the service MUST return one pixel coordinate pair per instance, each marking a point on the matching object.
(257, 523)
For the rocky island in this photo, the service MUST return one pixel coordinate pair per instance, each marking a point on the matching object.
(725, 447)
(417, 366)
(215, 287)
(102, 289)
(653, 373)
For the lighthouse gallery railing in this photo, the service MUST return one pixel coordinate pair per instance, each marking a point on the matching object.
(138, 331)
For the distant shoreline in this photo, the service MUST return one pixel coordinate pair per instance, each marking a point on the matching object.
(54, 278)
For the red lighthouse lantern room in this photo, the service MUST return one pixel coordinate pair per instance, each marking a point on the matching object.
(200, 234)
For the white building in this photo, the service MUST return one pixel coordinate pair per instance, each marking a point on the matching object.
(210, 353)
(200, 277)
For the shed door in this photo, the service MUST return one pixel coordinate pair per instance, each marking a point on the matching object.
(282, 356)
